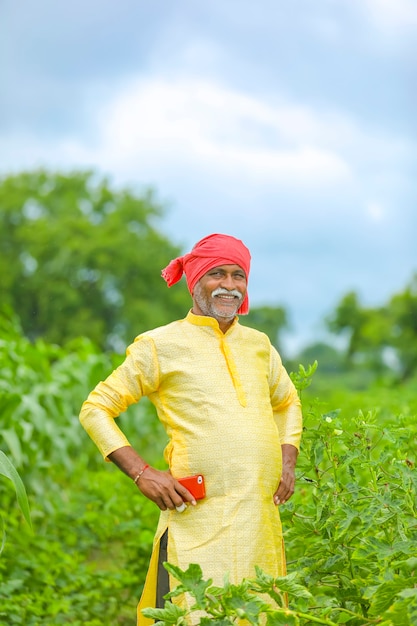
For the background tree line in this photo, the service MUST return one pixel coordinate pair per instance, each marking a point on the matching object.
(78, 258)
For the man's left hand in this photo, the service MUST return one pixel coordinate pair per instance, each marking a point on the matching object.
(287, 482)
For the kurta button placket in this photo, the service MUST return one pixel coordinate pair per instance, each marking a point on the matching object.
(233, 370)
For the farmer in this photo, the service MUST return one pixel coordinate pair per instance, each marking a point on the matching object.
(231, 414)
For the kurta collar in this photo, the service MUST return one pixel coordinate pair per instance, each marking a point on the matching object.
(206, 320)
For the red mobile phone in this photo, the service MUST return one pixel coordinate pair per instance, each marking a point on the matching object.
(195, 485)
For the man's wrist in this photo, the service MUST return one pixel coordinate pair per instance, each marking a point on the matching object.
(139, 474)
(289, 455)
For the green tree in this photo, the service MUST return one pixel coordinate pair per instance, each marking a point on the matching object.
(349, 319)
(269, 320)
(374, 333)
(403, 337)
(79, 258)
(330, 359)
(367, 331)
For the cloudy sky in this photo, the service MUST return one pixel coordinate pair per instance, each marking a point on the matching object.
(290, 124)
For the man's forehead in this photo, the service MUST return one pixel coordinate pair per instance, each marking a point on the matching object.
(227, 268)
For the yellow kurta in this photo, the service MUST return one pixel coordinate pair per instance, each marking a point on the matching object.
(228, 405)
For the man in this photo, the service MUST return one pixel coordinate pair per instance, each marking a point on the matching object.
(231, 413)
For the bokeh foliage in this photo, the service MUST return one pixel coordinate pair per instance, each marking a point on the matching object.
(78, 258)
(85, 560)
(380, 337)
(350, 529)
(81, 258)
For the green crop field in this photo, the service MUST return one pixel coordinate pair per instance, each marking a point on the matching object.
(350, 529)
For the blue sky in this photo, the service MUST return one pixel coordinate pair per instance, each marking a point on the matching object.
(289, 124)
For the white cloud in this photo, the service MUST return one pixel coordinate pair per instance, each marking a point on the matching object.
(393, 23)
(225, 131)
(186, 130)
(189, 132)
(397, 15)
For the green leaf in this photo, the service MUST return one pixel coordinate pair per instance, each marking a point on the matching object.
(406, 566)
(410, 592)
(244, 605)
(170, 614)
(403, 612)
(7, 469)
(383, 596)
(265, 583)
(282, 618)
(191, 581)
(12, 440)
(335, 563)
(3, 535)
(303, 378)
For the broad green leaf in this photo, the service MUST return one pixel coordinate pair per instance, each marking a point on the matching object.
(403, 612)
(335, 563)
(285, 584)
(8, 470)
(168, 615)
(12, 440)
(282, 618)
(406, 566)
(191, 581)
(245, 609)
(383, 595)
(410, 592)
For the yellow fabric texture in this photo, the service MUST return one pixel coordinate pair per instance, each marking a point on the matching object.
(227, 404)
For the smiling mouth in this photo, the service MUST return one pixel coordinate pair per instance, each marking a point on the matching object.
(225, 298)
(228, 304)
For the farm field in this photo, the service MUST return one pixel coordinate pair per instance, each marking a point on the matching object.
(350, 529)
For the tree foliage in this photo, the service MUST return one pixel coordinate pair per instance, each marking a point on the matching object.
(79, 258)
(375, 334)
(268, 319)
(403, 337)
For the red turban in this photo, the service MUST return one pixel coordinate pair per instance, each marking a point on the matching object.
(212, 251)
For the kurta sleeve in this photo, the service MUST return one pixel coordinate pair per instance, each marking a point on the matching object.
(136, 377)
(285, 402)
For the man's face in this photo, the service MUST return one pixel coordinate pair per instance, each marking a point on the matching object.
(220, 292)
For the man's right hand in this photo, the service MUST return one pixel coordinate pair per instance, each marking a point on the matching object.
(159, 486)
(163, 489)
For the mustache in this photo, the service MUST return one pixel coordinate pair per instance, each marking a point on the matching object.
(220, 291)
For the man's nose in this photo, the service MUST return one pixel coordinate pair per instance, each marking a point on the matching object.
(227, 282)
